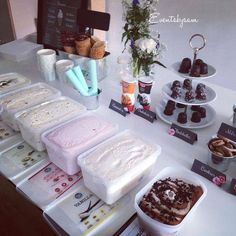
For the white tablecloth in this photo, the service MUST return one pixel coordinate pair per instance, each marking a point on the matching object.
(216, 215)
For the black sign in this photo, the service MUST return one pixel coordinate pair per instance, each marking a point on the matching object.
(233, 186)
(208, 172)
(183, 133)
(116, 106)
(146, 114)
(94, 19)
(56, 16)
(227, 131)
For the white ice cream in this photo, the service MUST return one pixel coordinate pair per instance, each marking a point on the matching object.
(118, 156)
(50, 113)
(25, 98)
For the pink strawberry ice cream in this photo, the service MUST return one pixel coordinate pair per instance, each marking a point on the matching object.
(66, 142)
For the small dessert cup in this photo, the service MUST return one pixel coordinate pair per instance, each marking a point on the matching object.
(217, 161)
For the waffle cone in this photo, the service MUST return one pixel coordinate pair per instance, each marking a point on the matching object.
(70, 49)
(98, 50)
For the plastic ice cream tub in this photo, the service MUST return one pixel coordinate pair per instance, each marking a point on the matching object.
(24, 98)
(35, 120)
(47, 185)
(155, 227)
(20, 160)
(7, 135)
(82, 213)
(65, 142)
(12, 81)
(117, 165)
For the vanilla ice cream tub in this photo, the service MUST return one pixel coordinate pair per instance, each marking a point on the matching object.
(24, 98)
(35, 120)
(117, 165)
(12, 81)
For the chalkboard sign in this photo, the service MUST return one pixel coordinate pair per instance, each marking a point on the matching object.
(56, 16)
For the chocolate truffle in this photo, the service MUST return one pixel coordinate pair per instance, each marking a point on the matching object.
(195, 71)
(196, 117)
(185, 65)
(203, 69)
(189, 96)
(169, 108)
(168, 111)
(179, 105)
(202, 111)
(200, 86)
(199, 62)
(182, 118)
(195, 108)
(170, 104)
(200, 94)
(187, 84)
(176, 92)
(176, 83)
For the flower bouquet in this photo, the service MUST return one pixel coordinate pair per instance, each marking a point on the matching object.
(144, 48)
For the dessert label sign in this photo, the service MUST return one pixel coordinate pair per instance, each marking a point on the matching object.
(116, 106)
(208, 172)
(146, 114)
(131, 227)
(53, 181)
(227, 131)
(183, 133)
(86, 210)
(233, 186)
(55, 16)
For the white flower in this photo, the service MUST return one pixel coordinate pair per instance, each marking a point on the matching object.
(146, 44)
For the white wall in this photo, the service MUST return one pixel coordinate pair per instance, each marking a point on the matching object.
(217, 22)
(24, 12)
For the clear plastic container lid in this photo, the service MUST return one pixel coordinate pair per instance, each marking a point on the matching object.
(149, 152)
(78, 134)
(82, 213)
(7, 135)
(20, 160)
(12, 81)
(47, 185)
(28, 96)
(49, 114)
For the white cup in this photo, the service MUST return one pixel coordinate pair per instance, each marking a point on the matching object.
(61, 67)
(46, 63)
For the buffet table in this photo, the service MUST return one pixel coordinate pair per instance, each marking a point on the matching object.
(216, 214)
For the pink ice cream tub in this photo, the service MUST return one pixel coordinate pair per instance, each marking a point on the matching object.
(67, 141)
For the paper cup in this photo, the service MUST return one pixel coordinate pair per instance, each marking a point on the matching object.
(128, 86)
(145, 85)
(46, 59)
(61, 67)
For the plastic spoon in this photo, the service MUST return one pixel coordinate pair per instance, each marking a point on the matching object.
(74, 80)
(93, 77)
(80, 76)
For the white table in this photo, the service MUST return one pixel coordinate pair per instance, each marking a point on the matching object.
(216, 215)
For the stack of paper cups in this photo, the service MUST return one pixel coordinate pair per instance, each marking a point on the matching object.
(61, 67)
(46, 63)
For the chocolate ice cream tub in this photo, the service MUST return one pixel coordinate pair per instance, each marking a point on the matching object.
(155, 227)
